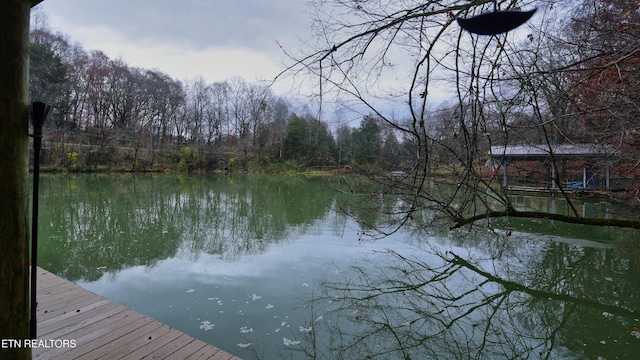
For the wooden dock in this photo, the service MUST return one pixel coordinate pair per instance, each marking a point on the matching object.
(102, 329)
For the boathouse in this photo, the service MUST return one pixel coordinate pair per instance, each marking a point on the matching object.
(593, 156)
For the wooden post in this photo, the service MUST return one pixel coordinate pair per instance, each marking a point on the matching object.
(553, 175)
(505, 177)
(14, 142)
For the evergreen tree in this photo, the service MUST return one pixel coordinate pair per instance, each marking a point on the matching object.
(367, 141)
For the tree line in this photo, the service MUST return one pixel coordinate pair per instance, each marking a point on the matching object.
(107, 114)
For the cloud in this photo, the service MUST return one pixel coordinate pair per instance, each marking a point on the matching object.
(214, 63)
(188, 38)
(247, 24)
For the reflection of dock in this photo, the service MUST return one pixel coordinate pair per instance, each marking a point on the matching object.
(546, 190)
(532, 189)
(101, 328)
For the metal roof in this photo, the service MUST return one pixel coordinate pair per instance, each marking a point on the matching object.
(542, 152)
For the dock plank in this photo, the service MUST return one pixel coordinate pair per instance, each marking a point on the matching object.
(63, 306)
(90, 329)
(169, 348)
(59, 330)
(189, 349)
(103, 329)
(95, 339)
(105, 346)
(153, 345)
(71, 317)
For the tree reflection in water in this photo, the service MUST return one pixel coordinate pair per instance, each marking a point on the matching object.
(453, 304)
(452, 295)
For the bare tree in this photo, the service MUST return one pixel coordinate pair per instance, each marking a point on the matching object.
(198, 96)
(217, 112)
(503, 90)
(240, 113)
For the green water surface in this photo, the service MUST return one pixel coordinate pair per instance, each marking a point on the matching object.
(271, 267)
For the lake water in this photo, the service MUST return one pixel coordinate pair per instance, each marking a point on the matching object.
(269, 267)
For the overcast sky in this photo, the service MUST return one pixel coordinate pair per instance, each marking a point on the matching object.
(217, 39)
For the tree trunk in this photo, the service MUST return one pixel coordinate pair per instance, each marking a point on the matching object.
(14, 234)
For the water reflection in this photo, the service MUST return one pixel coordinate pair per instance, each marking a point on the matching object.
(114, 222)
(591, 208)
(272, 262)
(543, 300)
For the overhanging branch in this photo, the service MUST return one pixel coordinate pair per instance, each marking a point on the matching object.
(622, 223)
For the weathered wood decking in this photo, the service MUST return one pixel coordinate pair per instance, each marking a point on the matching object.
(104, 329)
